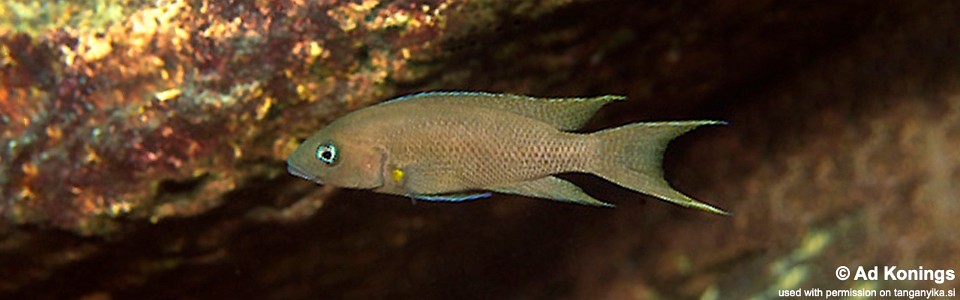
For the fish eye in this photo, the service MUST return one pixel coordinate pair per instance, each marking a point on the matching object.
(327, 153)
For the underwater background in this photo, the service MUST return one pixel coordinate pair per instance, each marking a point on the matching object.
(142, 147)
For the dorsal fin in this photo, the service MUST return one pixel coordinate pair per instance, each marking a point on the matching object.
(563, 113)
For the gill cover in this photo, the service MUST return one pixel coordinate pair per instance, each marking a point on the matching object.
(339, 162)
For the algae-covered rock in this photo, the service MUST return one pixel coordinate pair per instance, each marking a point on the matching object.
(146, 110)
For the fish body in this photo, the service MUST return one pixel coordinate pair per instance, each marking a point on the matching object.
(454, 146)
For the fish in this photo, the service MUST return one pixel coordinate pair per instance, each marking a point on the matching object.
(461, 146)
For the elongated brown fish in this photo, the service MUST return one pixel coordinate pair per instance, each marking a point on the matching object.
(454, 146)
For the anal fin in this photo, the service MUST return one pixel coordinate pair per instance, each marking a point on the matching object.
(552, 188)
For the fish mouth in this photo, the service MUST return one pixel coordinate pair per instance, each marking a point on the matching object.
(295, 171)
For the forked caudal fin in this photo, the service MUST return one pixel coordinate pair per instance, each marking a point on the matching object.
(631, 155)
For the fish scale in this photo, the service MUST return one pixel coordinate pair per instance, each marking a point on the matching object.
(481, 157)
(454, 146)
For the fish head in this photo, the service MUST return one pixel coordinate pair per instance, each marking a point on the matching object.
(340, 159)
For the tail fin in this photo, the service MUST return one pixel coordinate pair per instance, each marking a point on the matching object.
(631, 156)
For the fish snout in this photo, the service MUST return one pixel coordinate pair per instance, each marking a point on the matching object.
(295, 171)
